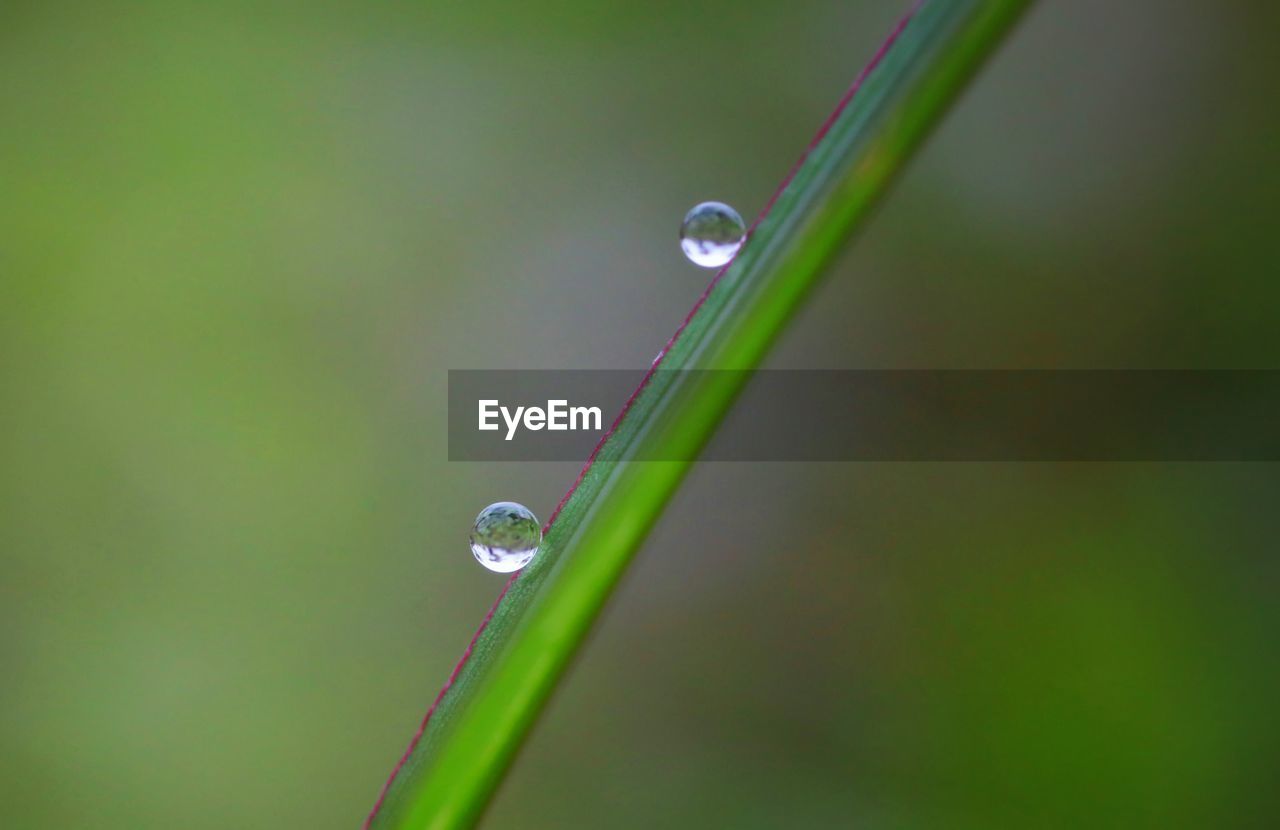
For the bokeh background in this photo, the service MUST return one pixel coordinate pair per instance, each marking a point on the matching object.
(241, 243)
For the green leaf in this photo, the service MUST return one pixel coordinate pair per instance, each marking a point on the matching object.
(486, 710)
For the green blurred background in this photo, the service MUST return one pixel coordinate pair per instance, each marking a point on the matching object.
(241, 243)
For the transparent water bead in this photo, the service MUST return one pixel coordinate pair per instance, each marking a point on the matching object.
(711, 234)
(505, 536)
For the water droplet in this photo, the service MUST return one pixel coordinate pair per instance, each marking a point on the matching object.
(711, 234)
(505, 536)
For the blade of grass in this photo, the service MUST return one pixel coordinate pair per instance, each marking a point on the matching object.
(487, 707)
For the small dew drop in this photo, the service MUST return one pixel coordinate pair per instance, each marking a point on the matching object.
(505, 536)
(711, 234)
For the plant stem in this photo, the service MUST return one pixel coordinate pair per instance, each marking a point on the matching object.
(486, 710)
